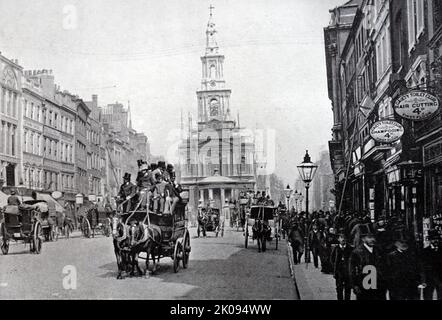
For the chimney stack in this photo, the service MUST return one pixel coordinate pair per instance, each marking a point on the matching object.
(95, 100)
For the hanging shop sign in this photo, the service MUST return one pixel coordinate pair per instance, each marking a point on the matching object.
(386, 131)
(416, 105)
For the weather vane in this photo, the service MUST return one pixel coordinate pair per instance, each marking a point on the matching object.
(211, 8)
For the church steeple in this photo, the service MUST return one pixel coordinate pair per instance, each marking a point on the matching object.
(213, 98)
(211, 44)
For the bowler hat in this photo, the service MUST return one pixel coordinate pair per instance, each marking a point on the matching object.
(127, 176)
(13, 191)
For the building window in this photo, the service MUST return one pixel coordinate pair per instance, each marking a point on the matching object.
(415, 13)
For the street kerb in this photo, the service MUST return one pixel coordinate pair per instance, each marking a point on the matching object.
(292, 268)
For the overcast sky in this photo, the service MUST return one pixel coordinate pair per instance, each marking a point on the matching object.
(148, 52)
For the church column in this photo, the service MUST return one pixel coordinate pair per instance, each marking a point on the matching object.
(223, 197)
(210, 194)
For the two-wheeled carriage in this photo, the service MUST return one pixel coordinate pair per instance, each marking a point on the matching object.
(22, 223)
(260, 225)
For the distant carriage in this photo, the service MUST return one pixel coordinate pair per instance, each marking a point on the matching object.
(22, 223)
(210, 220)
(261, 221)
(96, 220)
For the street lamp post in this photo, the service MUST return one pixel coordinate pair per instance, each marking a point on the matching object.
(307, 170)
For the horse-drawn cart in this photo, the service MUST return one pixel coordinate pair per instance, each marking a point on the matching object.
(96, 220)
(21, 223)
(261, 220)
(162, 235)
(209, 221)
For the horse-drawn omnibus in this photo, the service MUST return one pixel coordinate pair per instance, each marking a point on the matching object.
(22, 223)
(158, 235)
(261, 220)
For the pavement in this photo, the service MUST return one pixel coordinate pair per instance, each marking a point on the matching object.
(219, 269)
(311, 283)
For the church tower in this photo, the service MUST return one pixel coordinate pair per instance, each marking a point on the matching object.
(213, 98)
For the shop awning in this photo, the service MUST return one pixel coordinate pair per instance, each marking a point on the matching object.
(49, 200)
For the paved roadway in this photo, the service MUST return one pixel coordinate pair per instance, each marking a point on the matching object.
(219, 268)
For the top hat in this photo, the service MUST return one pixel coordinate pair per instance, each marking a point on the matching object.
(162, 164)
(170, 167)
(433, 235)
(153, 166)
(127, 176)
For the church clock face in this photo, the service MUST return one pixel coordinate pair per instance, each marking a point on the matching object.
(214, 108)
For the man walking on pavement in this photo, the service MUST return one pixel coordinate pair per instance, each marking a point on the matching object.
(432, 267)
(366, 268)
(402, 272)
(340, 260)
(315, 239)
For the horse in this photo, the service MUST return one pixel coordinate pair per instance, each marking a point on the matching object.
(260, 233)
(121, 245)
(146, 239)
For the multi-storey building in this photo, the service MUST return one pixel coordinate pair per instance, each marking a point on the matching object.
(81, 147)
(391, 49)
(10, 122)
(33, 139)
(96, 156)
(123, 146)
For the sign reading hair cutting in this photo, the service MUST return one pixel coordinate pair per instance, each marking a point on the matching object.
(387, 131)
(416, 105)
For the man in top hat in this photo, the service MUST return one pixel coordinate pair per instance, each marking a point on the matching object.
(339, 258)
(432, 267)
(402, 272)
(315, 239)
(366, 268)
(127, 192)
(13, 200)
(146, 183)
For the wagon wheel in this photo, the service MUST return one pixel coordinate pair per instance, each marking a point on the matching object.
(4, 239)
(246, 235)
(186, 250)
(37, 238)
(86, 228)
(177, 256)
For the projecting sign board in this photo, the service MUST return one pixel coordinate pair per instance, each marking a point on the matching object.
(386, 131)
(416, 105)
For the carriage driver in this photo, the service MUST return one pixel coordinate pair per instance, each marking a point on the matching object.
(128, 191)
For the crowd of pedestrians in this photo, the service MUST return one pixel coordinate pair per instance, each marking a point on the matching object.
(374, 260)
